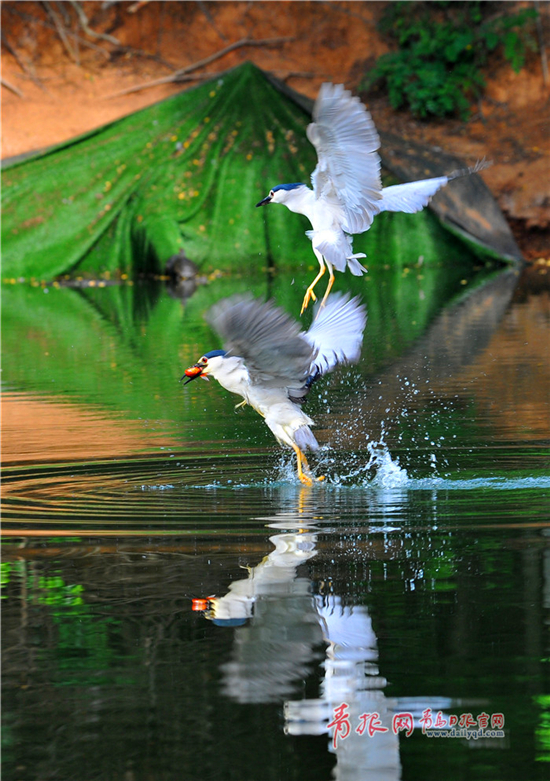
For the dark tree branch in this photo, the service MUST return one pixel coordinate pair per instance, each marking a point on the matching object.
(8, 85)
(182, 74)
(60, 27)
(83, 21)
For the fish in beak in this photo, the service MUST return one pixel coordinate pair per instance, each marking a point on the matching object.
(193, 372)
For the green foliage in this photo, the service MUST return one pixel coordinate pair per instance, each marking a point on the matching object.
(543, 728)
(5, 572)
(443, 47)
(53, 591)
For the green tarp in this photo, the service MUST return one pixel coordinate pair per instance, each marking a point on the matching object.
(186, 174)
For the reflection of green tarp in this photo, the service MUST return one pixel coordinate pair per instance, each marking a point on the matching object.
(124, 348)
(184, 173)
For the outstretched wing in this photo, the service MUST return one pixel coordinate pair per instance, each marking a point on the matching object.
(337, 332)
(348, 171)
(411, 197)
(274, 351)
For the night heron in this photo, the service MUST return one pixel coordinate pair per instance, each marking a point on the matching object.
(272, 364)
(347, 190)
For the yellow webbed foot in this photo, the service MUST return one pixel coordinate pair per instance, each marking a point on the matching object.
(305, 479)
(309, 296)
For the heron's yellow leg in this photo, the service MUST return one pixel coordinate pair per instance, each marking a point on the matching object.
(329, 288)
(310, 295)
(302, 460)
(241, 404)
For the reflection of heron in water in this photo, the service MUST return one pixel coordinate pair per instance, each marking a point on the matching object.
(183, 276)
(280, 628)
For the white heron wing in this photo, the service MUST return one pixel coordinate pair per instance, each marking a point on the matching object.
(269, 341)
(346, 141)
(410, 197)
(337, 332)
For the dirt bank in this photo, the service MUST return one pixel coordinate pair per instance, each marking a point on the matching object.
(66, 81)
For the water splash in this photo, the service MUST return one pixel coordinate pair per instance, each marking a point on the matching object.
(380, 469)
(388, 472)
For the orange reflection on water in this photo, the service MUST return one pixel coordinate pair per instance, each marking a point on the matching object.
(37, 430)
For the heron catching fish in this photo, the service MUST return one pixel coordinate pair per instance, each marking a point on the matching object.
(272, 364)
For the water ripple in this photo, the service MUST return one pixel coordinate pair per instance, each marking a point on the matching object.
(183, 493)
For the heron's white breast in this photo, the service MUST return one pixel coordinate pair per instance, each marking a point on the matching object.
(232, 374)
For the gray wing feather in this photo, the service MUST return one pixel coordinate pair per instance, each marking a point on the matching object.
(337, 332)
(274, 351)
(348, 170)
(305, 439)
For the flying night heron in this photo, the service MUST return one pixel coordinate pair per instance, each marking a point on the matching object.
(347, 190)
(272, 364)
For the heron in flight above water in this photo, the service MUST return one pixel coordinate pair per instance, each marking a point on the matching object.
(272, 364)
(347, 190)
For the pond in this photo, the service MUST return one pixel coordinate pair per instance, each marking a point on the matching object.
(176, 605)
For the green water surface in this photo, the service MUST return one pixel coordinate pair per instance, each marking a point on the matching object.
(414, 579)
